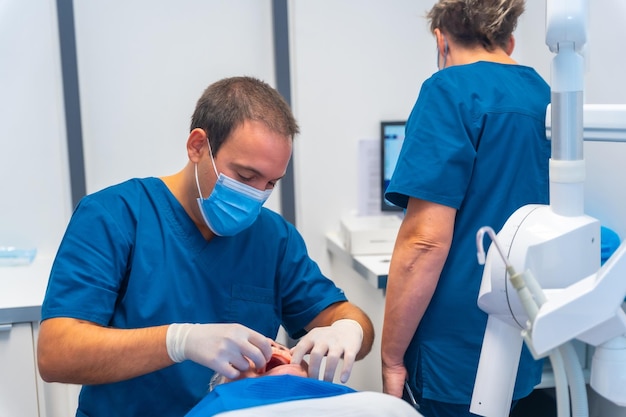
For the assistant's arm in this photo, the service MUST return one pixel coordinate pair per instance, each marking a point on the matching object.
(418, 258)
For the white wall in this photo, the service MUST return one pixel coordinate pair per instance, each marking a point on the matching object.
(142, 67)
(354, 63)
(35, 200)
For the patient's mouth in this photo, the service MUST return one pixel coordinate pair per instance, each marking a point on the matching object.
(276, 361)
(280, 356)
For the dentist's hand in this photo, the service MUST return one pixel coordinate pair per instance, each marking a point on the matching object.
(341, 340)
(225, 348)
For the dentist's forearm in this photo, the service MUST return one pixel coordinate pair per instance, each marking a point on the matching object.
(80, 352)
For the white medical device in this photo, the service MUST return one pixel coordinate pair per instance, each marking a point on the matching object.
(542, 281)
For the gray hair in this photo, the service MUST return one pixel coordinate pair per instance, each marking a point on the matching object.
(216, 379)
(489, 23)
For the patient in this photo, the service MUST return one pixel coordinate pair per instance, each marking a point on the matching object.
(279, 364)
(283, 388)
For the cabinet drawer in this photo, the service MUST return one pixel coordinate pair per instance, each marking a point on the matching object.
(18, 378)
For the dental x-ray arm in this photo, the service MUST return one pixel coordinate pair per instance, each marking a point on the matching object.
(590, 309)
(560, 245)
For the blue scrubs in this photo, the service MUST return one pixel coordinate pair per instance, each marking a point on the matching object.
(475, 141)
(132, 257)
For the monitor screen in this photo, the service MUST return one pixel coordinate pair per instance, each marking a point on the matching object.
(392, 136)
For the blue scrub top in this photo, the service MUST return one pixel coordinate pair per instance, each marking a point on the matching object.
(131, 257)
(475, 141)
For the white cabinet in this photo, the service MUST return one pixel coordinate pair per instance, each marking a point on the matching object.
(21, 292)
(18, 375)
(22, 392)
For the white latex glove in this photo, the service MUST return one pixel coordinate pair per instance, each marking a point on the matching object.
(225, 348)
(341, 340)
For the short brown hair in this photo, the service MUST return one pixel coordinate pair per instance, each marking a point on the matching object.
(227, 103)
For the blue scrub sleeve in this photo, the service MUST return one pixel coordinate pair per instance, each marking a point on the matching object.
(436, 160)
(306, 292)
(88, 272)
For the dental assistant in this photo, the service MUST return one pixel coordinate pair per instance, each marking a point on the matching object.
(475, 150)
(160, 282)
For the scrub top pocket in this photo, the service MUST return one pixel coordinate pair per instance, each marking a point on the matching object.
(255, 307)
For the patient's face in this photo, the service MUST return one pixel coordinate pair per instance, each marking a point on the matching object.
(279, 364)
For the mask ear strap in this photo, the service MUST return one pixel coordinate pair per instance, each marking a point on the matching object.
(195, 167)
(444, 54)
(212, 160)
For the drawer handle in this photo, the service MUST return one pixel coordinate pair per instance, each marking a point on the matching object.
(6, 327)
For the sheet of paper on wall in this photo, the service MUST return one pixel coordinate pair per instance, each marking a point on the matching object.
(368, 177)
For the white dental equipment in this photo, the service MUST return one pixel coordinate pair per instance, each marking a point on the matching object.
(559, 292)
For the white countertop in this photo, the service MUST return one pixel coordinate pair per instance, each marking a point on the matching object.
(22, 289)
(374, 268)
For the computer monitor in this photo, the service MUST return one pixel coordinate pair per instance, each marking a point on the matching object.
(391, 138)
